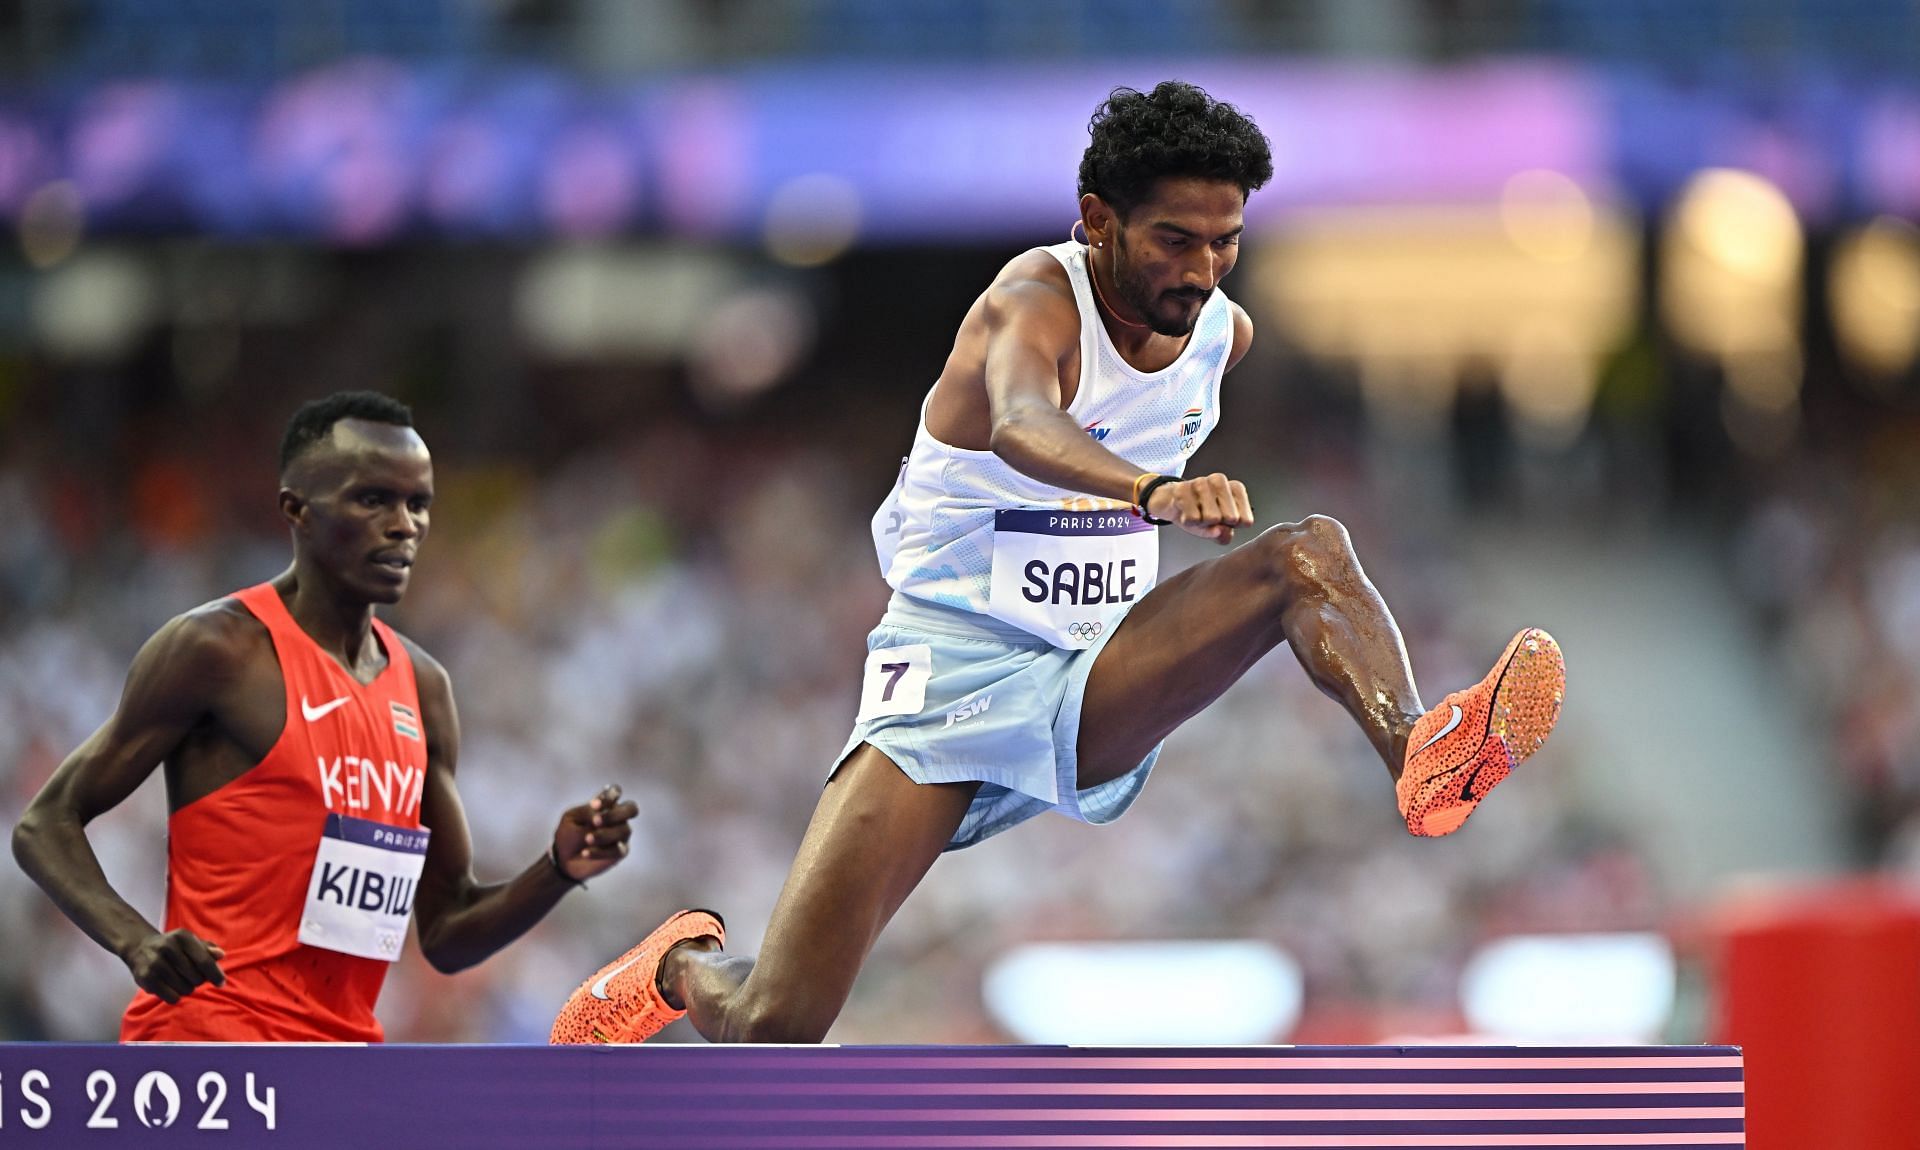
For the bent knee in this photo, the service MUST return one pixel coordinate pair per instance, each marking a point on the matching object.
(1312, 548)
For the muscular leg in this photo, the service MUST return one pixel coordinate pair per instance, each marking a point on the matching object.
(871, 840)
(1198, 632)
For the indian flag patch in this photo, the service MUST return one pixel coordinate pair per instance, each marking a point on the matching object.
(406, 724)
(1190, 428)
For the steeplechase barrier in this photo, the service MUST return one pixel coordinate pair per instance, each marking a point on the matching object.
(843, 1098)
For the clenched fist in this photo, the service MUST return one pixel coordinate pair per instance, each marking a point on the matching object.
(1209, 506)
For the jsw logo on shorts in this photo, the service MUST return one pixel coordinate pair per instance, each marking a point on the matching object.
(969, 711)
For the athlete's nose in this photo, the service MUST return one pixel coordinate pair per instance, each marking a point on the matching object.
(1203, 273)
(405, 524)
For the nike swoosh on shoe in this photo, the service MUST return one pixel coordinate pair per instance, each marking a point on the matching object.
(599, 987)
(1443, 731)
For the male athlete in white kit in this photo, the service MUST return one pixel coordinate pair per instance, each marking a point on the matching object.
(1027, 661)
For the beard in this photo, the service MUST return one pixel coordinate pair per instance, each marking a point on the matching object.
(1165, 313)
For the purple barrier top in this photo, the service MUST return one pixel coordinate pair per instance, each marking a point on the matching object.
(843, 1097)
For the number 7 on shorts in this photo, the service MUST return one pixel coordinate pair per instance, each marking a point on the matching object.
(895, 681)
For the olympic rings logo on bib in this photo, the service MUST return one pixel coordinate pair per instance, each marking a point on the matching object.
(1086, 630)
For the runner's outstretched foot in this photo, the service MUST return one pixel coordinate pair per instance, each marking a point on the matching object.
(1466, 746)
(622, 1001)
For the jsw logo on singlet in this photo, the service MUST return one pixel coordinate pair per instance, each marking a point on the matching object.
(361, 786)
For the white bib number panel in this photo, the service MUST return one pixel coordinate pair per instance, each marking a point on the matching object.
(895, 681)
(1068, 576)
(365, 875)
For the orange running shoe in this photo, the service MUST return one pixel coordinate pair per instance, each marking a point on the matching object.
(1464, 747)
(622, 1002)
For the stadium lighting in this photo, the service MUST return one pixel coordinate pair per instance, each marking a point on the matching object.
(1145, 993)
(1570, 988)
(1874, 283)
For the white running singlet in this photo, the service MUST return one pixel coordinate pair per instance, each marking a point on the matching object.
(935, 532)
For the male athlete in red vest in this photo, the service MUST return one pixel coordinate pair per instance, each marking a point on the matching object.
(309, 753)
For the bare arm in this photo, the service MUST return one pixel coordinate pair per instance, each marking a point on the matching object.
(1032, 326)
(462, 922)
(174, 684)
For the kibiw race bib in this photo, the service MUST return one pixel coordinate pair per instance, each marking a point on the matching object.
(365, 875)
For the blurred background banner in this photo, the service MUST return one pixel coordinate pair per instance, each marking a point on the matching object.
(1598, 315)
(369, 150)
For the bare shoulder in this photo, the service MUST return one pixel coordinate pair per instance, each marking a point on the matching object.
(428, 672)
(1242, 334)
(195, 659)
(1034, 276)
(221, 638)
(1035, 266)
(1032, 292)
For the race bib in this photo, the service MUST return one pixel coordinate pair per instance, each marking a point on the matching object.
(361, 894)
(1068, 576)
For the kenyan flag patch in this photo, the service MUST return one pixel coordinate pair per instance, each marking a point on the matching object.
(406, 724)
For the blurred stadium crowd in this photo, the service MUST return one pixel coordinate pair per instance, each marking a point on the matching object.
(650, 562)
(1828, 555)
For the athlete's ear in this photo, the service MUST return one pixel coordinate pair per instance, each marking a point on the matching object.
(293, 505)
(1101, 220)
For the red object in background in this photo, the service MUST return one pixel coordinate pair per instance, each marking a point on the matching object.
(1821, 985)
(169, 505)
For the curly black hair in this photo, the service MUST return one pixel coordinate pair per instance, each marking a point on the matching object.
(1177, 130)
(316, 418)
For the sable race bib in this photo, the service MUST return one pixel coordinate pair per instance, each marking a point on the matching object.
(364, 878)
(1068, 576)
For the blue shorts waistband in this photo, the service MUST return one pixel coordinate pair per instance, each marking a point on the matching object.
(911, 614)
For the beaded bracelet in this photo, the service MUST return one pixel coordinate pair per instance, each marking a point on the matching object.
(1146, 491)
